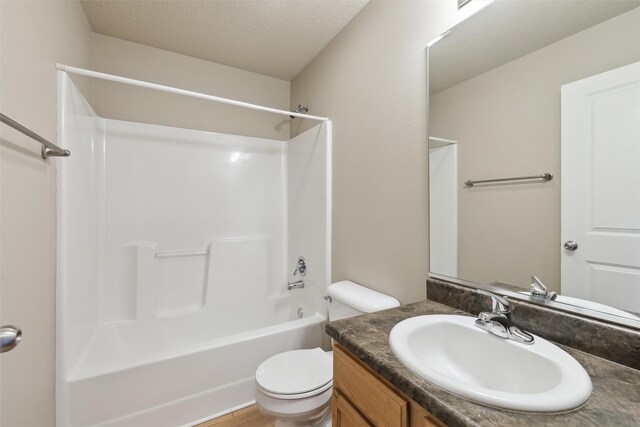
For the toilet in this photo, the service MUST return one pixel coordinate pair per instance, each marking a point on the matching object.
(295, 386)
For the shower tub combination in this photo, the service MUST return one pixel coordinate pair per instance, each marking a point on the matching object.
(174, 251)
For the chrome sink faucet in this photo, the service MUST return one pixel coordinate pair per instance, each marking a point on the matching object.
(539, 290)
(499, 322)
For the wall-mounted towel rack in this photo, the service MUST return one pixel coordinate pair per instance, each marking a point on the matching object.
(48, 148)
(545, 177)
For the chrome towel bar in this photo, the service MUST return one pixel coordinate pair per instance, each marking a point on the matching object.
(545, 177)
(48, 148)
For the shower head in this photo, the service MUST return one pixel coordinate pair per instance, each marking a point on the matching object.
(301, 110)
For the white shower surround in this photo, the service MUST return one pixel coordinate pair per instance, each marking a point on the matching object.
(133, 348)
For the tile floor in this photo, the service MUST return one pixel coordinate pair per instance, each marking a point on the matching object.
(246, 417)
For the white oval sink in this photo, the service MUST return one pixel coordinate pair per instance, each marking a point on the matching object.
(454, 354)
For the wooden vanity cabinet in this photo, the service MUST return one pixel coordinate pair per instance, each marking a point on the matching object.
(345, 414)
(362, 398)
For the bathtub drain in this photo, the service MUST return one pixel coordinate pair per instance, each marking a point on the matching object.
(300, 312)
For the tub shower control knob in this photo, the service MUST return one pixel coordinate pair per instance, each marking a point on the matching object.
(301, 267)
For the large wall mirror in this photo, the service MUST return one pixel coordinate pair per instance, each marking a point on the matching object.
(534, 154)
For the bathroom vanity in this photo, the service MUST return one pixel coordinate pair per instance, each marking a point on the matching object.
(372, 387)
(363, 398)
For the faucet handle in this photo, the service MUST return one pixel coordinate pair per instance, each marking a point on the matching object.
(537, 287)
(499, 304)
(301, 267)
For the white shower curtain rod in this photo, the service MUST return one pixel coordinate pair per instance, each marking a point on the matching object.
(133, 82)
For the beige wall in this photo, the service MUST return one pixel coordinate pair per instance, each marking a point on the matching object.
(370, 80)
(118, 101)
(34, 36)
(507, 123)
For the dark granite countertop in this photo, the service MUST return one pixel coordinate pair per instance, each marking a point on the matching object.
(615, 400)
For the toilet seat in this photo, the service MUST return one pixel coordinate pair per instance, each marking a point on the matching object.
(296, 374)
(310, 393)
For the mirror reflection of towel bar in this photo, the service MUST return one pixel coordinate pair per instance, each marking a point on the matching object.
(545, 177)
(180, 254)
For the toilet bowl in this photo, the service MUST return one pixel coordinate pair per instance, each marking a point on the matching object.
(295, 387)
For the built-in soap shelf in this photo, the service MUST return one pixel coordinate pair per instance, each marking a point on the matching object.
(180, 280)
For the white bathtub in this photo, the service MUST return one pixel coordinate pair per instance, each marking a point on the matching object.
(174, 252)
(124, 379)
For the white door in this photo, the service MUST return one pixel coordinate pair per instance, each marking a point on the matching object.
(601, 188)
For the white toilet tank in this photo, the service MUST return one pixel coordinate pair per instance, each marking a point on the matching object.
(349, 299)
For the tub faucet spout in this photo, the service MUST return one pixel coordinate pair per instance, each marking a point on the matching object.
(295, 285)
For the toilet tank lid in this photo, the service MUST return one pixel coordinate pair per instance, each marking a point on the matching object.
(361, 298)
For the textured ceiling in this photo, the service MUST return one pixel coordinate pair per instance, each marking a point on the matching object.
(506, 30)
(272, 37)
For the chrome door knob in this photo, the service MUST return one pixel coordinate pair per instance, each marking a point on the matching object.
(10, 336)
(570, 245)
